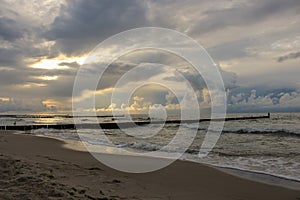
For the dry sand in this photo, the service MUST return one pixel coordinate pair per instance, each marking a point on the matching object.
(40, 168)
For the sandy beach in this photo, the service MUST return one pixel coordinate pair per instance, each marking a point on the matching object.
(41, 168)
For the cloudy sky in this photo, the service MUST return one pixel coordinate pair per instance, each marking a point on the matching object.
(255, 44)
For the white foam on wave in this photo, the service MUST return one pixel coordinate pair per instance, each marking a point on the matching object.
(253, 165)
(249, 130)
(62, 134)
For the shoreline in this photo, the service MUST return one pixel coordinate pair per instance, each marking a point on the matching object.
(258, 176)
(76, 169)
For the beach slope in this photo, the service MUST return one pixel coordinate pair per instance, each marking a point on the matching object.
(34, 167)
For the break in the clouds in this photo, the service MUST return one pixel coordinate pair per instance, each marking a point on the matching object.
(255, 44)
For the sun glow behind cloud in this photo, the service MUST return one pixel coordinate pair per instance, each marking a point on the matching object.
(57, 63)
(30, 85)
(47, 78)
(51, 102)
(4, 99)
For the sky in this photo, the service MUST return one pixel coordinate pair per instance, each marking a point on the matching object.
(254, 44)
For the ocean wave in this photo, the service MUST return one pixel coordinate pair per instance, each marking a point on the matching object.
(247, 130)
(282, 167)
(70, 135)
(141, 146)
(261, 131)
(244, 169)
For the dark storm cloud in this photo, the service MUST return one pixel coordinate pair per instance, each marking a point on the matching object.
(10, 30)
(289, 56)
(81, 25)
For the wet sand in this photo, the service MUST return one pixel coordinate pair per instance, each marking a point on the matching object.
(34, 167)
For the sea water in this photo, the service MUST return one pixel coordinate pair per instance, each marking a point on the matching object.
(270, 146)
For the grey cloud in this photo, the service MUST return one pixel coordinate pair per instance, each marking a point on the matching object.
(23, 105)
(11, 77)
(244, 15)
(20, 33)
(230, 79)
(288, 57)
(19, 37)
(169, 59)
(62, 87)
(129, 61)
(10, 57)
(53, 72)
(272, 79)
(224, 17)
(231, 50)
(9, 29)
(69, 64)
(27, 75)
(81, 25)
(197, 82)
(11, 82)
(116, 70)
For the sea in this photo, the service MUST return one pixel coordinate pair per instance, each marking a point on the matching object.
(268, 146)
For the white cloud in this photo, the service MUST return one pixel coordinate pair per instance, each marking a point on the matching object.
(266, 102)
